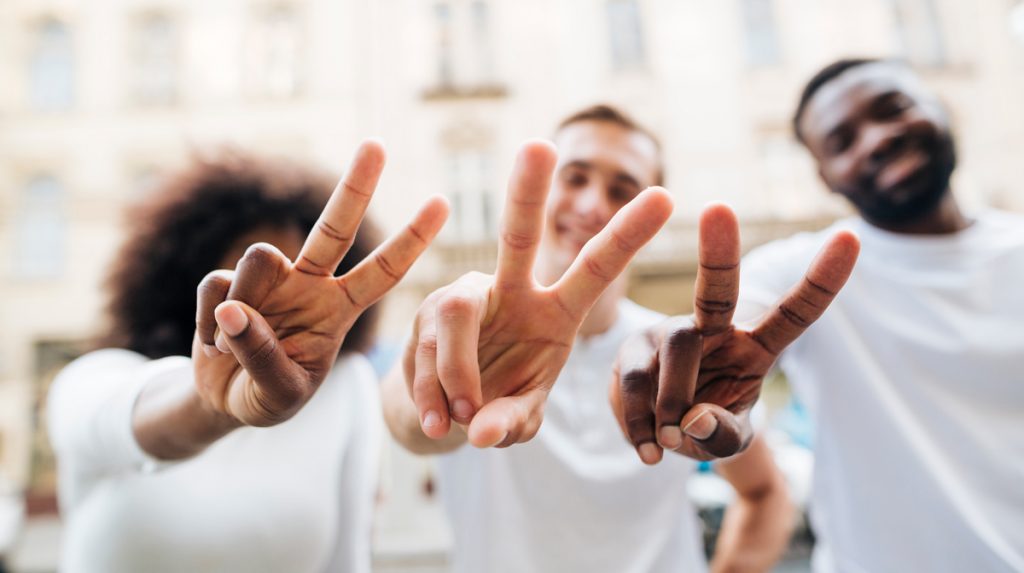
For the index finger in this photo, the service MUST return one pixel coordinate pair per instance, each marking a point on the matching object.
(718, 271)
(606, 255)
(522, 221)
(336, 228)
(806, 301)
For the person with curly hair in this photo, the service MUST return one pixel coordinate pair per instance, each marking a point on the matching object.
(234, 427)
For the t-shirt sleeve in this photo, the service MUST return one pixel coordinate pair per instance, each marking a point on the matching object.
(89, 416)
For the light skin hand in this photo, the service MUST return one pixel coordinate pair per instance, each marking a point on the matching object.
(688, 384)
(487, 349)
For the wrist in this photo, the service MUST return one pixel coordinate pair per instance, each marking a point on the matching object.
(213, 423)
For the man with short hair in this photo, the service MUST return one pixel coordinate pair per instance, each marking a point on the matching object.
(487, 350)
(914, 377)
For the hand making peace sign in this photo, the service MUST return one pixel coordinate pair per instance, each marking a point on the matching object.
(688, 384)
(487, 349)
(281, 323)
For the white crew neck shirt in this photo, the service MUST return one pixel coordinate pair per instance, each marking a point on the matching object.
(296, 497)
(576, 497)
(914, 378)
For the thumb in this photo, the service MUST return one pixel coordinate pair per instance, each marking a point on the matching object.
(509, 420)
(282, 385)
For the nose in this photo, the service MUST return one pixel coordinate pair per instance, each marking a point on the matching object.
(881, 141)
(591, 204)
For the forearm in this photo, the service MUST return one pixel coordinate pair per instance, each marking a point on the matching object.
(755, 530)
(171, 422)
(403, 421)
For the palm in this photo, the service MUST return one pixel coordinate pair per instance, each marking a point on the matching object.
(296, 315)
(487, 349)
(689, 384)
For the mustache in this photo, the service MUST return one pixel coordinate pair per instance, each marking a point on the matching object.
(928, 143)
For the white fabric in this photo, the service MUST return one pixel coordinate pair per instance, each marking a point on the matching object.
(576, 497)
(915, 382)
(296, 497)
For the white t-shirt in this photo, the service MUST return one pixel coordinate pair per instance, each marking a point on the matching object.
(576, 497)
(915, 381)
(295, 497)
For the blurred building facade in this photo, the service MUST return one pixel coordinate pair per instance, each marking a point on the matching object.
(98, 98)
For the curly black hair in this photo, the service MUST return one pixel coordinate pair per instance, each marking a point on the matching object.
(187, 225)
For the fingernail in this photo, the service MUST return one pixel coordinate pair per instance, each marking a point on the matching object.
(222, 344)
(649, 453)
(701, 427)
(670, 437)
(211, 351)
(431, 419)
(462, 410)
(232, 320)
(498, 441)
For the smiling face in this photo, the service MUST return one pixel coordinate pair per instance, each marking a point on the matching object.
(882, 140)
(602, 166)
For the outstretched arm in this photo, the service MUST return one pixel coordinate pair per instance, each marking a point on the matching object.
(487, 349)
(758, 524)
(268, 333)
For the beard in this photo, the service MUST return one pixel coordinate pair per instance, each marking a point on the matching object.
(912, 199)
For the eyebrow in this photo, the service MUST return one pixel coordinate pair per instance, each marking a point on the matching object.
(620, 176)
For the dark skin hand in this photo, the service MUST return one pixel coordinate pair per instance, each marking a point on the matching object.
(689, 384)
(269, 332)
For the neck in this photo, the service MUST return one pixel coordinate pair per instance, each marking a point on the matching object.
(945, 218)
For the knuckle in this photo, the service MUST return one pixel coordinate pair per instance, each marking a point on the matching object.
(427, 345)
(682, 338)
(635, 381)
(455, 304)
(263, 355)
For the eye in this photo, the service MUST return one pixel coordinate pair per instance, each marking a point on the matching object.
(575, 179)
(838, 142)
(622, 194)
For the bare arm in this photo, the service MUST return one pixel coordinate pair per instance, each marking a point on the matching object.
(757, 526)
(171, 421)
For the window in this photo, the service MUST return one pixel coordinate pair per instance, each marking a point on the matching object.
(473, 211)
(156, 60)
(51, 67)
(481, 41)
(445, 50)
(919, 32)
(627, 43)
(39, 230)
(464, 58)
(761, 34)
(1017, 22)
(273, 54)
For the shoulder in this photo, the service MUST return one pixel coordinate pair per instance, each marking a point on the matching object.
(1002, 228)
(95, 366)
(803, 245)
